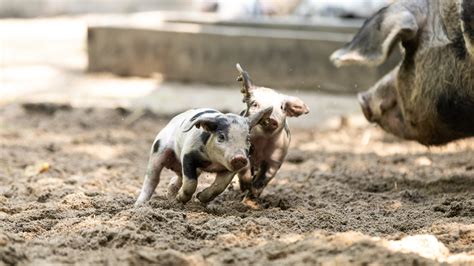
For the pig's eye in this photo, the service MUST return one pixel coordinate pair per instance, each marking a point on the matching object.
(254, 104)
(220, 138)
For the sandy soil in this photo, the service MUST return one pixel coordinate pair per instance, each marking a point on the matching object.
(69, 177)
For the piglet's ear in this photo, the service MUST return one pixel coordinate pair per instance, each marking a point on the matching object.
(295, 107)
(377, 37)
(207, 123)
(261, 115)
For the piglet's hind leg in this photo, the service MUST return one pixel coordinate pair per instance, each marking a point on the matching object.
(152, 178)
(174, 186)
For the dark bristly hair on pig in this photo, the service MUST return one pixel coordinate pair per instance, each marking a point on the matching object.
(429, 97)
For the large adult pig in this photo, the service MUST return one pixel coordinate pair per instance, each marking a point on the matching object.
(429, 97)
(271, 138)
(199, 140)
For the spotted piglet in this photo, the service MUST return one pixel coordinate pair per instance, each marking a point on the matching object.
(200, 140)
(271, 138)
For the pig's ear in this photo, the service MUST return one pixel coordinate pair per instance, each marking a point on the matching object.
(258, 117)
(207, 123)
(247, 85)
(294, 107)
(377, 37)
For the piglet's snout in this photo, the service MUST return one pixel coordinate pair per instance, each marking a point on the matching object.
(238, 162)
(270, 124)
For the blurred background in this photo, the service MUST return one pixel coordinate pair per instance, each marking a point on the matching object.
(172, 55)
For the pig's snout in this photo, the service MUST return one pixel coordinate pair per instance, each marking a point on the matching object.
(270, 124)
(364, 101)
(238, 162)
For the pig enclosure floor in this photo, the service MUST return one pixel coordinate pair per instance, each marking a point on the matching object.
(69, 178)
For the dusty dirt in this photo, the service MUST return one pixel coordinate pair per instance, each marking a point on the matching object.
(69, 178)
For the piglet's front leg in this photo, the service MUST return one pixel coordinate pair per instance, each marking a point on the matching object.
(245, 179)
(221, 181)
(264, 175)
(190, 163)
(269, 164)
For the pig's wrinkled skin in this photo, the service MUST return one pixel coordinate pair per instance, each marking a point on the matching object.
(429, 97)
(199, 140)
(270, 139)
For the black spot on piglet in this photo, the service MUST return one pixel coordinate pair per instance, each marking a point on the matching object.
(156, 146)
(205, 137)
(202, 113)
(191, 162)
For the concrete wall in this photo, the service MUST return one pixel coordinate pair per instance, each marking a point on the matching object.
(325, 24)
(208, 54)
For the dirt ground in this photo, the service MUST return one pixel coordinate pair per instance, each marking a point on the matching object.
(69, 178)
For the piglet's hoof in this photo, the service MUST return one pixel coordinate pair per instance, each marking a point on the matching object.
(255, 192)
(203, 198)
(200, 197)
(251, 203)
(171, 195)
(175, 201)
(138, 204)
(182, 198)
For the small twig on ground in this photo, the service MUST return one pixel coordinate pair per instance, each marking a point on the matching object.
(311, 174)
(136, 115)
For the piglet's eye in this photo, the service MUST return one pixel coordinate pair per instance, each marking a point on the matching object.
(254, 104)
(220, 138)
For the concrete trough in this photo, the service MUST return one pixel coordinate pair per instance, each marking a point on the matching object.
(207, 53)
(325, 24)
